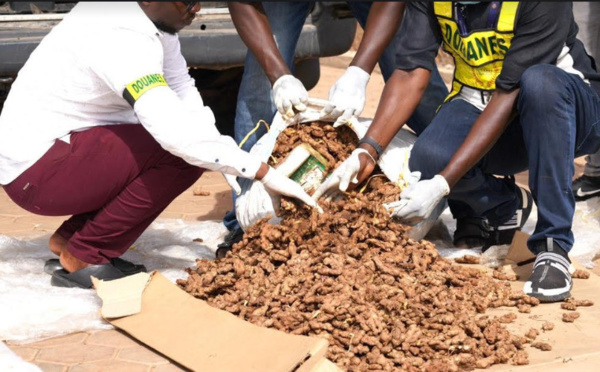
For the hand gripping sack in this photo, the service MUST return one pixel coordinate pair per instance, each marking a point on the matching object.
(254, 203)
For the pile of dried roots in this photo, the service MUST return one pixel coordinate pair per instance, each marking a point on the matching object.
(351, 275)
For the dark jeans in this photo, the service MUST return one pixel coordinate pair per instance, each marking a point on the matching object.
(558, 120)
(114, 180)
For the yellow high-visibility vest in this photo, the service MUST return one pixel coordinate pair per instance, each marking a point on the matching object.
(479, 55)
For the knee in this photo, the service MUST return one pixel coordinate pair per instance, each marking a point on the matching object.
(428, 158)
(540, 87)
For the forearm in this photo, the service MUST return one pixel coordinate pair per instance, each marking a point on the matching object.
(483, 135)
(262, 171)
(192, 136)
(382, 24)
(400, 97)
(252, 25)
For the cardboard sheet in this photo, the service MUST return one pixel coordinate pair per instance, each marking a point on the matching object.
(123, 297)
(203, 338)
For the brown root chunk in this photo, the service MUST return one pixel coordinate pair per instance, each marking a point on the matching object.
(570, 317)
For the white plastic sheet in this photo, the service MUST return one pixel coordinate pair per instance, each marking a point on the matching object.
(10, 362)
(31, 309)
(586, 228)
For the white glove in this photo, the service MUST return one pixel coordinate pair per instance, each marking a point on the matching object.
(277, 184)
(419, 199)
(233, 183)
(342, 176)
(348, 95)
(289, 93)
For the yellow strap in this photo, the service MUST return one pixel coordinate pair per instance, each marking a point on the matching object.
(254, 130)
(369, 180)
(508, 16)
(443, 8)
(402, 181)
(456, 88)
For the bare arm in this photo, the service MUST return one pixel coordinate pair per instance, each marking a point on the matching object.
(252, 24)
(485, 132)
(382, 24)
(400, 97)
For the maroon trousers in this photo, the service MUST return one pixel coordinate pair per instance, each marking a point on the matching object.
(114, 180)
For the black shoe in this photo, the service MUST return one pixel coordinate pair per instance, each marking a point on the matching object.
(550, 280)
(128, 268)
(471, 232)
(504, 233)
(586, 187)
(232, 237)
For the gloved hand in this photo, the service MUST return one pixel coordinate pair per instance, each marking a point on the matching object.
(233, 183)
(289, 93)
(277, 184)
(419, 199)
(347, 172)
(348, 95)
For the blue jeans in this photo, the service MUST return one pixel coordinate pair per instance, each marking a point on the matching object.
(559, 119)
(255, 101)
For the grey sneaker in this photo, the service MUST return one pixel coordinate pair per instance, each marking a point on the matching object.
(550, 280)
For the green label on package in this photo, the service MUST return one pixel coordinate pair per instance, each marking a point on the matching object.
(310, 174)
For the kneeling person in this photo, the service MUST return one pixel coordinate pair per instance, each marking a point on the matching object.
(525, 95)
(104, 123)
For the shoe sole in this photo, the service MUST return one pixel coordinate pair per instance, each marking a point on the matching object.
(128, 268)
(58, 281)
(547, 299)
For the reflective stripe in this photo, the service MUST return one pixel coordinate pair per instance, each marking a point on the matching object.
(508, 15)
(134, 90)
(443, 8)
(545, 257)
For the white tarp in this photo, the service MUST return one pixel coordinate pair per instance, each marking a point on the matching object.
(10, 362)
(32, 309)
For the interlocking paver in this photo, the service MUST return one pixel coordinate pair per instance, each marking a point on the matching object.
(167, 368)
(112, 338)
(141, 354)
(111, 366)
(74, 338)
(25, 353)
(76, 353)
(51, 367)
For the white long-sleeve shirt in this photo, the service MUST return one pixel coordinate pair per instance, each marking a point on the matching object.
(77, 77)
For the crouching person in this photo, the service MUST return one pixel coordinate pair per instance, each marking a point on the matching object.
(525, 96)
(104, 123)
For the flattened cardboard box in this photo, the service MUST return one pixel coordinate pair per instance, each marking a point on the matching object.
(201, 337)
